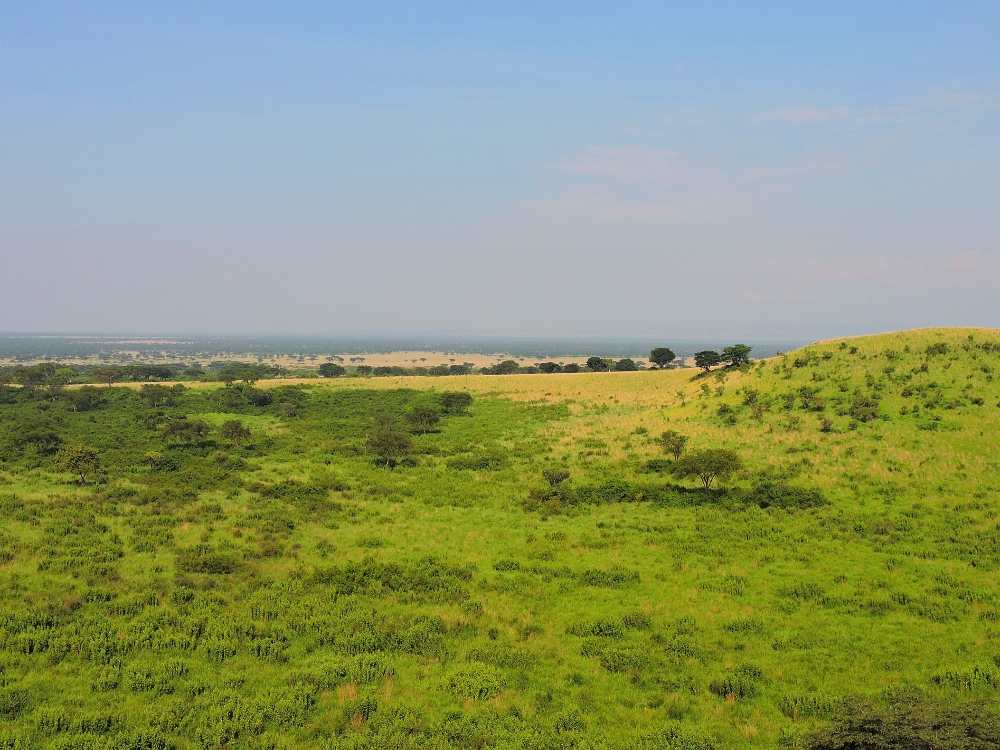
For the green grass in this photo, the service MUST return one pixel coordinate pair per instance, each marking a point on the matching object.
(259, 596)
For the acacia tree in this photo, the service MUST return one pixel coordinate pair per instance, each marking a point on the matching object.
(707, 359)
(234, 431)
(673, 443)
(331, 370)
(388, 445)
(109, 375)
(707, 465)
(737, 354)
(423, 419)
(661, 357)
(455, 402)
(80, 460)
(155, 394)
(186, 432)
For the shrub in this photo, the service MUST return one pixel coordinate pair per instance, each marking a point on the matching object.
(555, 476)
(741, 683)
(476, 681)
(781, 495)
(614, 578)
(455, 402)
(909, 725)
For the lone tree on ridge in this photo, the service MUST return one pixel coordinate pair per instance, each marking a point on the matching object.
(737, 354)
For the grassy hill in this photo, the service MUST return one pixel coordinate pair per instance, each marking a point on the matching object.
(286, 590)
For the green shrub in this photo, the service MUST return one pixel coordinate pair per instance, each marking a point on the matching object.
(476, 681)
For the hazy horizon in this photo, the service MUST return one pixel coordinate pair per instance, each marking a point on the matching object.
(764, 171)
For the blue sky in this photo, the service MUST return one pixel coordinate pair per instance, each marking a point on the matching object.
(757, 169)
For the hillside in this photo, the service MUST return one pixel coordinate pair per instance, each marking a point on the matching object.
(275, 584)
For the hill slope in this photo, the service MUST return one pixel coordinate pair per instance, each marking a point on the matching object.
(283, 589)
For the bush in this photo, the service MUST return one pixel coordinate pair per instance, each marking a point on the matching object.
(476, 681)
(489, 462)
(911, 725)
(740, 684)
(781, 495)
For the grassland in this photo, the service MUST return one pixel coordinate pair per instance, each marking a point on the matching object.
(288, 592)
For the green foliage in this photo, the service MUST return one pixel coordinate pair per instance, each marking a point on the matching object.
(234, 431)
(388, 445)
(283, 590)
(331, 370)
(707, 359)
(707, 465)
(626, 365)
(79, 459)
(736, 355)
(673, 443)
(662, 357)
(909, 724)
(598, 365)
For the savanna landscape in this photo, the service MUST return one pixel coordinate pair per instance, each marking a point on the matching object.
(799, 552)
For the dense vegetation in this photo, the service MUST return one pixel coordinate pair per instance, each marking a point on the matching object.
(801, 552)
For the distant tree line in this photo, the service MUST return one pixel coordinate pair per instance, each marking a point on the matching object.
(54, 376)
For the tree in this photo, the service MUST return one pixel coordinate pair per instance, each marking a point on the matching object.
(109, 375)
(331, 370)
(85, 398)
(626, 365)
(80, 460)
(571, 367)
(707, 465)
(234, 431)
(597, 364)
(455, 402)
(507, 367)
(555, 476)
(662, 357)
(737, 354)
(707, 359)
(388, 445)
(186, 432)
(36, 375)
(423, 418)
(673, 443)
(549, 367)
(155, 394)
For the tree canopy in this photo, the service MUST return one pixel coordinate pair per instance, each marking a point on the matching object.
(673, 443)
(234, 431)
(626, 365)
(662, 357)
(707, 465)
(109, 375)
(80, 460)
(331, 370)
(389, 445)
(597, 364)
(423, 418)
(707, 359)
(737, 354)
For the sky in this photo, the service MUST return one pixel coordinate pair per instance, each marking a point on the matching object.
(766, 169)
